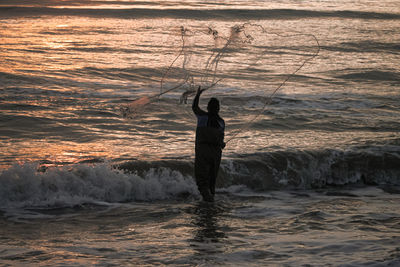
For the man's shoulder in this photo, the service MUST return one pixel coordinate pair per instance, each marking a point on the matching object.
(202, 115)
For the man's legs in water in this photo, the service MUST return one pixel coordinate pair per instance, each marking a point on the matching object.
(202, 171)
(214, 172)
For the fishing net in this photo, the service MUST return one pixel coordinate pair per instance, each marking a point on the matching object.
(243, 57)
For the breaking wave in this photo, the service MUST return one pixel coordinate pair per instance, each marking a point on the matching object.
(24, 186)
(28, 185)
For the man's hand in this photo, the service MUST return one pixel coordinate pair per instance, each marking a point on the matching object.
(199, 90)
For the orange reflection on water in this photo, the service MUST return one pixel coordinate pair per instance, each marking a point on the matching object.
(56, 153)
(36, 46)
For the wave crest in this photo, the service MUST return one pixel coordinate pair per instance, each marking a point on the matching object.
(23, 186)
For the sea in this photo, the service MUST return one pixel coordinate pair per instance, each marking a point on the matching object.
(97, 132)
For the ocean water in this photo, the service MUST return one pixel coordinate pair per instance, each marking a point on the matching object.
(309, 91)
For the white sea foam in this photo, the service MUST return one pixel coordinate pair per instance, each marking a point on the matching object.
(23, 186)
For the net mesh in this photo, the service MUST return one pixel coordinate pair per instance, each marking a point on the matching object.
(245, 56)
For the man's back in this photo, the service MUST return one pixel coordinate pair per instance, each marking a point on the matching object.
(210, 126)
(209, 145)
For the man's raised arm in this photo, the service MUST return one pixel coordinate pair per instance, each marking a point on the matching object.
(195, 105)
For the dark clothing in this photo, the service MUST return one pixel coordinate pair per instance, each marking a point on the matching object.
(209, 144)
(206, 166)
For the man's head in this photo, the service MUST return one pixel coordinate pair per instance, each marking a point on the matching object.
(213, 106)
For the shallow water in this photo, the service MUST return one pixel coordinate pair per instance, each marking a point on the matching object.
(333, 227)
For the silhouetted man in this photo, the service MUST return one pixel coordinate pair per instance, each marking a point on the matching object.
(209, 145)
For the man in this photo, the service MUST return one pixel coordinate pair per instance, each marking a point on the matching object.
(209, 145)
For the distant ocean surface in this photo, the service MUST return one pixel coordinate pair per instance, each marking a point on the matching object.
(311, 99)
